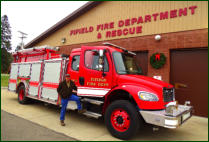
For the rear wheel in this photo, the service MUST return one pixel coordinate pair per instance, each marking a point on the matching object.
(22, 99)
(122, 119)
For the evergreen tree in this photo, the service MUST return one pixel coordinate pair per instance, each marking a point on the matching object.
(5, 33)
(6, 57)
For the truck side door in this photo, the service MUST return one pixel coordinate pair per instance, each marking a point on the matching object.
(92, 82)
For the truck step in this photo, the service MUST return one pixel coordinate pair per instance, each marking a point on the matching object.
(92, 101)
(92, 114)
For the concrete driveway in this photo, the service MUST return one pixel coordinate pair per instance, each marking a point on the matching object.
(89, 129)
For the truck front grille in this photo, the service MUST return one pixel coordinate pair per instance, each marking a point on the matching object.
(168, 94)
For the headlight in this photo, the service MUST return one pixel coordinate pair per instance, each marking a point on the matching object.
(146, 96)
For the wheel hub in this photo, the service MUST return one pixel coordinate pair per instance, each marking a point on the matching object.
(120, 120)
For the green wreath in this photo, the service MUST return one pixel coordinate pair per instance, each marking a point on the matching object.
(157, 60)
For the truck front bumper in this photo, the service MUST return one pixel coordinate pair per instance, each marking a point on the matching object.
(160, 118)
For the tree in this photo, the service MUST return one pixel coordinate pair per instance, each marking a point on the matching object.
(5, 33)
(6, 57)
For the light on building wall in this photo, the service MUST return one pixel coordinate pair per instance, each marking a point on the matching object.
(63, 40)
(158, 37)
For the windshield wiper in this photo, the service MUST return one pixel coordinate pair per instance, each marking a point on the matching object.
(128, 72)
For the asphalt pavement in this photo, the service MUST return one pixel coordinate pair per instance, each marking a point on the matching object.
(14, 128)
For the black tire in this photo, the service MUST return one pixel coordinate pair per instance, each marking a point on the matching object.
(22, 99)
(135, 121)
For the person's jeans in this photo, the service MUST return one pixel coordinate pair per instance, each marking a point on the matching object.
(64, 103)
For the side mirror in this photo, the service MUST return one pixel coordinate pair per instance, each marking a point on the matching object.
(95, 52)
(101, 60)
(101, 53)
(77, 68)
(64, 55)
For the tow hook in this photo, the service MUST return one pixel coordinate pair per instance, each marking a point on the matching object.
(155, 129)
(187, 103)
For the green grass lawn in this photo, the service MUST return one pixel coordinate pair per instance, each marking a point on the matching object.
(4, 80)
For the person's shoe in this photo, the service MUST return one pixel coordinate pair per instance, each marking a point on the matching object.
(82, 111)
(62, 122)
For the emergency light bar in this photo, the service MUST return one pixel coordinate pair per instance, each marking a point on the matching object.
(125, 50)
(37, 48)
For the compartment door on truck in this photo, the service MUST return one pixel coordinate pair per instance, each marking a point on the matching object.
(51, 77)
(24, 74)
(24, 71)
(13, 77)
(35, 78)
(92, 82)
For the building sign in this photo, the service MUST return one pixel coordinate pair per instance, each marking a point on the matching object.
(132, 25)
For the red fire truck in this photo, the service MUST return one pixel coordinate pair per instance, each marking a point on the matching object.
(109, 84)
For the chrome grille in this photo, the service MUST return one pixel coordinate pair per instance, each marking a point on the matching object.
(168, 94)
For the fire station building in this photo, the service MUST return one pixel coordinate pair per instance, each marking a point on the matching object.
(170, 39)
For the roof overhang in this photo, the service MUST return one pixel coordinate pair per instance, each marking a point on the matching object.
(63, 22)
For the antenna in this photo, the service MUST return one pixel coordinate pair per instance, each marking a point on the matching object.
(23, 35)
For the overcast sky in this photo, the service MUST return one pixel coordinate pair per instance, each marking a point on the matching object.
(35, 17)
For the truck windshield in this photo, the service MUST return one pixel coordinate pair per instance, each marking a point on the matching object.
(125, 64)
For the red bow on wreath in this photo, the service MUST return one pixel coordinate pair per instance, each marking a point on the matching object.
(157, 57)
(157, 60)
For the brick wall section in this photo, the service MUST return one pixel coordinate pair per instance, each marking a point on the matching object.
(186, 39)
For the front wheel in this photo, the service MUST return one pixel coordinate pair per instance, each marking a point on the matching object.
(22, 99)
(122, 119)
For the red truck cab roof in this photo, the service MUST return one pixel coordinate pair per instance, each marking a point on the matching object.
(110, 48)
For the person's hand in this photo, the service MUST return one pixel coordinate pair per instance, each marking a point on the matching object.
(74, 91)
(59, 101)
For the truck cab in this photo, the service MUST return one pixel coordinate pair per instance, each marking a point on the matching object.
(109, 74)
